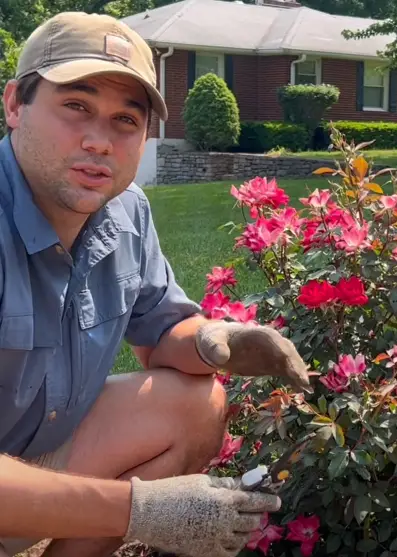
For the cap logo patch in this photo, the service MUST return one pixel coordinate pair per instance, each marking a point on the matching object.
(117, 46)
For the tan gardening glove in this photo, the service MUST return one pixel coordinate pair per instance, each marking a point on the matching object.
(251, 350)
(196, 515)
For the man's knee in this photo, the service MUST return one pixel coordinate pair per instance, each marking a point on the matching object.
(201, 403)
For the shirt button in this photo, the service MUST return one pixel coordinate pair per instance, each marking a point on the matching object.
(59, 249)
(52, 416)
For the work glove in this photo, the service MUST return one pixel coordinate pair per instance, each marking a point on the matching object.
(251, 350)
(196, 515)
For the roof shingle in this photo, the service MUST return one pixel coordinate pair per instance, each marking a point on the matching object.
(234, 26)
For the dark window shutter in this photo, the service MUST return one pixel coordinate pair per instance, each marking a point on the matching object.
(229, 73)
(393, 91)
(191, 69)
(360, 87)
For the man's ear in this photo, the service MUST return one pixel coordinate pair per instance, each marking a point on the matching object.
(12, 109)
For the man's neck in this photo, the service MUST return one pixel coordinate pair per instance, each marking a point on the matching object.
(66, 224)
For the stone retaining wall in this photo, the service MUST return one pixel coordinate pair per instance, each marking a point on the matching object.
(178, 167)
(182, 167)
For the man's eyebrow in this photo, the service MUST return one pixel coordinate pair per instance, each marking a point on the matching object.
(77, 86)
(91, 90)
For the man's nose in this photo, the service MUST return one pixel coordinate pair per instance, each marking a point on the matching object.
(97, 141)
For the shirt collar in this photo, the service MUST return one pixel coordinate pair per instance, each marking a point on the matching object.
(36, 232)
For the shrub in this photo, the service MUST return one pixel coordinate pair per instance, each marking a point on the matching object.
(211, 115)
(259, 137)
(307, 104)
(384, 134)
(329, 284)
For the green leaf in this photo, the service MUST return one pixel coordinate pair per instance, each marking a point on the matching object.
(321, 272)
(363, 472)
(393, 456)
(266, 425)
(366, 545)
(287, 518)
(338, 464)
(393, 300)
(333, 543)
(378, 441)
(362, 506)
(327, 497)
(339, 403)
(281, 428)
(384, 531)
(322, 404)
(271, 447)
(275, 300)
(309, 460)
(338, 434)
(354, 405)
(297, 266)
(361, 457)
(379, 498)
(321, 420)
(333, 410)
(348, 539)
(254, 298)
(348, 512)
(393, 545)
(323, 435)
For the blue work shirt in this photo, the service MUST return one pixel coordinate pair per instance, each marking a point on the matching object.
(62, 319)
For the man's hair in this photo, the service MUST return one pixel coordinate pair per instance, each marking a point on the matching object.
(27, 88)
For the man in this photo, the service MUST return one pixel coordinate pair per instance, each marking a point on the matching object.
(82, 269)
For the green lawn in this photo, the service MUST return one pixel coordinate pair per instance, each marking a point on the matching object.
(383, 157)
(187, 218)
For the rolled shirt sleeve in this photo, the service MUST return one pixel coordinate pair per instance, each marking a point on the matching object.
(161, 303)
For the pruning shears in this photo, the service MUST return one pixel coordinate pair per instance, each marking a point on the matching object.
(272, 478)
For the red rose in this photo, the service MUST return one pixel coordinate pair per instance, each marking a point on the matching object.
(315, 294)
(351, 292)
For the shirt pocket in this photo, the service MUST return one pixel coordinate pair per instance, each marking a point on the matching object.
(17, 332)
(102, 322)
(95, 308)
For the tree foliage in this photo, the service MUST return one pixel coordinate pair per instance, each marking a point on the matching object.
(21, 17)
(377, 9)
(8, 63)
(386, 27)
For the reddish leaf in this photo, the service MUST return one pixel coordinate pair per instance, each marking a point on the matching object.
(324, 170)
(360, 167)
(373, 187)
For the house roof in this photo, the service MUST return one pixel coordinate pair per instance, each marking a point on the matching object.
(250, 28)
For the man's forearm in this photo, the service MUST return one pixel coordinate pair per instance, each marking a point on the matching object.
(177, 349)
(37, 503)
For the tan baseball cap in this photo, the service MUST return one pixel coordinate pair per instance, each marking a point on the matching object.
(74, 45)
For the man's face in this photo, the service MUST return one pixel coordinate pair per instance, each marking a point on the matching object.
(79, 145)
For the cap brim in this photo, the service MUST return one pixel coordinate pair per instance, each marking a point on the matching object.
(67, 72)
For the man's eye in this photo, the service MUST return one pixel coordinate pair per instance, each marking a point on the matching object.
(75, 106)
(127, 120)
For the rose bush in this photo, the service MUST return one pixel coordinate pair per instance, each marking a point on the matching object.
(329, 284)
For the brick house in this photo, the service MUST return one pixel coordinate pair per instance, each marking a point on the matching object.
(258, 48)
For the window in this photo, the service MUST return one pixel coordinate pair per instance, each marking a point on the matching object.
(376, 84)
(209, 63)
(308, 72)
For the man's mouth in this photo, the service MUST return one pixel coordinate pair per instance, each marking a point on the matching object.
(92, 175)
